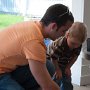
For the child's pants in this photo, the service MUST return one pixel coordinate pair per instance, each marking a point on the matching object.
(64, 82)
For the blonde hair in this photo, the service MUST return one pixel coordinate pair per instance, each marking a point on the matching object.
(78, 30)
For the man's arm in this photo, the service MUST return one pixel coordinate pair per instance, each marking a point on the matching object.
(42, 76)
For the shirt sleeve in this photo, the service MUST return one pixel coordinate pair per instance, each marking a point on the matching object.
(35, 50)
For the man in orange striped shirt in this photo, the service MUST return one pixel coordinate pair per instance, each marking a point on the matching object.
(23, 52)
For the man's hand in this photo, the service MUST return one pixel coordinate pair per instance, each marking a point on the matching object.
(42, 76)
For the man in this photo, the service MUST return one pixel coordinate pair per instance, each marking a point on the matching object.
(23, 44)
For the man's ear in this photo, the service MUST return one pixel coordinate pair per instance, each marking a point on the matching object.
(54, 26)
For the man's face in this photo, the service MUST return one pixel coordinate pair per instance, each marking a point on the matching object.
(61, 31)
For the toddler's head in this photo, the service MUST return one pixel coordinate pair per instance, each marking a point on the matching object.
(76, 34)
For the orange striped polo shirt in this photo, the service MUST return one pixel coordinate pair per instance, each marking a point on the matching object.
(20, 43)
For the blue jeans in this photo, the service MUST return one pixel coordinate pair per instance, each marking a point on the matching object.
(64, 82)
(7, 83)
(21, 78)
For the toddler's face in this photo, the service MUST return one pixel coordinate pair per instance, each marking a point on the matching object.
(73, 42)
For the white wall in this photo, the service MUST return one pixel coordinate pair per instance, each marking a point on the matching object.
(81, 12)
(78, 9)
(87, 15)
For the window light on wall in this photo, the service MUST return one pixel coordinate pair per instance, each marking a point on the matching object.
(36, 8)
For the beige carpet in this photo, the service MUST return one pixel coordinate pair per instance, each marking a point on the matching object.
(76, 87)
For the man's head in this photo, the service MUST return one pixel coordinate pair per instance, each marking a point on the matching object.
(76, 35)
(58, 19)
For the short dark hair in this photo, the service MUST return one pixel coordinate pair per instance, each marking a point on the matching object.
(57, 13)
